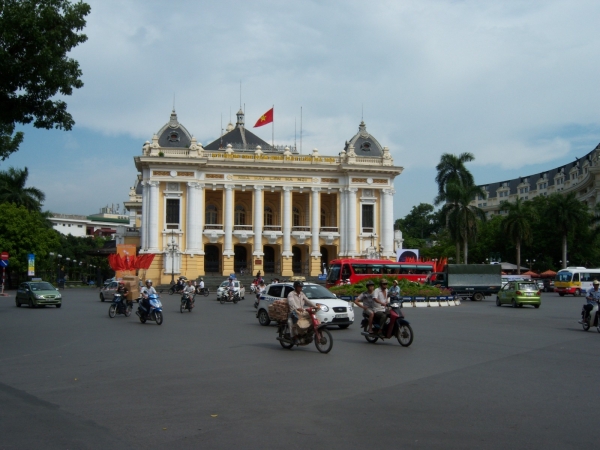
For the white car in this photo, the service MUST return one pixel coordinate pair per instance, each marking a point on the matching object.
(237, 287)
(333, 310)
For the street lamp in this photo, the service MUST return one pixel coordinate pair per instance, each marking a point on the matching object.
(530, 263)
(67, 259)
(172, 250)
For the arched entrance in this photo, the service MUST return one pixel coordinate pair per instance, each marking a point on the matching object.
(240, 258)
(212, 259)
(269, 259)
(324, 258)
(296, 260)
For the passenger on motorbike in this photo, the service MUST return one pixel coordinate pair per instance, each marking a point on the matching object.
(592, 297)
(190, 290)
(394, 292)
(201, 284)
(146, 292)
(297, 301)
(369, 303)
(381, 295)
(260, 289)
(230, 288)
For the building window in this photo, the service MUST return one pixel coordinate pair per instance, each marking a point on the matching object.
(323, 218)
(172, 213)
(211, 215)
(240, 215)
(296, 216)
(268, 216)
(367, 217)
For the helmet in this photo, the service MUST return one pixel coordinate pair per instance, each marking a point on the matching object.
(201, 279)
(298, 283)
(148, 281)
(262, 282)
(231, 278)
(596, 282)
(384, 281)
(370, 283)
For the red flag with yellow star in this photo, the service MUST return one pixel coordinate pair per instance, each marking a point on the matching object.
(265, 119)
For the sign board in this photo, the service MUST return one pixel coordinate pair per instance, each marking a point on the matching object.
(4, 256)
(30, 265)
(3, 263)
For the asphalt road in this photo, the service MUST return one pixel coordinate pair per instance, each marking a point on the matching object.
(477, 376)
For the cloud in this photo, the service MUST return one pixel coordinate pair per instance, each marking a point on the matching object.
(432, 77)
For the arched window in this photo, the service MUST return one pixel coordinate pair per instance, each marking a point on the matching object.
(211, 214)
(323, 218)
(296, 217)
(268, 216)
(240, 215)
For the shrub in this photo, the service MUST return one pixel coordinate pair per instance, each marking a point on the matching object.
(407, 288)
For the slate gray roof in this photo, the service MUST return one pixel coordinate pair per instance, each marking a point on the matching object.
(173, 134)
(364, 144)
(533, 179)
(239, 138)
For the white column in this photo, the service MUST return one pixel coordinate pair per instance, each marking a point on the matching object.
(387, 221)
(342, 222)
(195, 205)
(144, 225)
(286, 215)
(228, 221)
(258, 220)
(352, 220)
(153, 212)
(315, 218)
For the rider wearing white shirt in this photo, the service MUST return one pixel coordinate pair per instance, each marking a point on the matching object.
(592, 297)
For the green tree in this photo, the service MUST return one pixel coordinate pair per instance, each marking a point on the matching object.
(35, 39)
(566, 213)
(13, 190)
(463, 218)
(451, 169)
(419, 223)
(23, 232)
(517, 225)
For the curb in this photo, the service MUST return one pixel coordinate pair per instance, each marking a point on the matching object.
(421, 302)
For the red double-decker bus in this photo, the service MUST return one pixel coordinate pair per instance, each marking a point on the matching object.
(355, 270)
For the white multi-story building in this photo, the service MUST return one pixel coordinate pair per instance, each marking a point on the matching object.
(106, 223)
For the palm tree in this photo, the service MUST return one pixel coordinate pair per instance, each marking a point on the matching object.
(451, 169)
(463, 218)
(517, 225)
(13, 190)
(565, 212)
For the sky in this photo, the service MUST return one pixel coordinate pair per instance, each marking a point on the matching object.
(513, 82)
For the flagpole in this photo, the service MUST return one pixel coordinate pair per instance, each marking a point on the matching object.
(273, 129)
(301, 130)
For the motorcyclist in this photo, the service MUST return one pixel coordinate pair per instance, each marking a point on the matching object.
(592, 297)
(381, 295)
(297, 302)
(146, 292)
(369, 303)
(201, 285)
(190, 290)
(260, 289)
(122, 289)
(230, 288)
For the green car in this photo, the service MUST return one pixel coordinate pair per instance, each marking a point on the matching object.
(519, 293)
(38, 293)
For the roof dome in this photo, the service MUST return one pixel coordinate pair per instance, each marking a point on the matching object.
(173, 134)
(364, 144)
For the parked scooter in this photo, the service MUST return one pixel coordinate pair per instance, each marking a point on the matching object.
(119, 305)
(186, 303)
(314, 330)
(592, 319)
(394, 326)
(154, 314)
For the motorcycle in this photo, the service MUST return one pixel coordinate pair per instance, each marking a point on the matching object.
(316, 331)
(394, 325)
(176, 289)
(186, 303)
(119, 305)
(231, 296)
(592, 319)
(154, 314)
(202, 291)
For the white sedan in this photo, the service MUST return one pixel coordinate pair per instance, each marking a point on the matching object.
(333, 310)
(237, 287)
